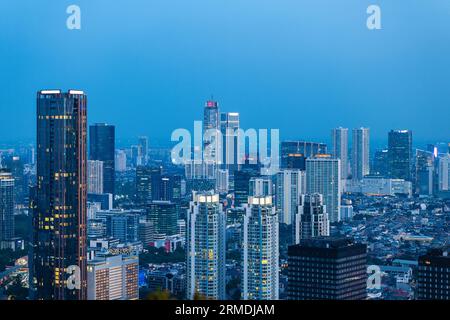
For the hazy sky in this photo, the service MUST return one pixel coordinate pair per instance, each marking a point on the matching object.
(303, 66)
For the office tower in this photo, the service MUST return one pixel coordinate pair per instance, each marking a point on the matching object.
(443, 172)
(113, 277)
(339, 138)
(311, 221)
(136, 156)
(241, 184)
(290, 185)
(164, 216)
(95, 176)
(96, 228)
(425, 172)
(400, 154)
(143, 143)
(260, 187)
(229, 124)
(102, 148)
(211, 121)
(206, 225)
(6, 205)
(15, 165)
(360, 153)
(148, 184)
(121, 161)
(59, 217)
(380, 165)
(295, 161)
(323, 176)
(304, 148)
(146, 232)
(260, 250)
(327, 268)
(223, 179)
(433, 281)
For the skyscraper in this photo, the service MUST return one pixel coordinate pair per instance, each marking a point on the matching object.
(400, 154)
(360, 153)
(433, 281)
(303, 148)
(95, 176)
(312, 218)
(164, 217)
(260, 250)
(59, 217)
(148, 184)
(339, 138)
(6, 205)
(206, 225)
(229, 124)
(290, 185)
(327, 268)
(241, 185)
(102, 148)
(323, 176)
(380, 165)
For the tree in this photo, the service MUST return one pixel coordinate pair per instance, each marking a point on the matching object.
(16, 290)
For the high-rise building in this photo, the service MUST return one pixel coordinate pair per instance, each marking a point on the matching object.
(102, 148)
(95, 176)
(59, 217)
(290, 184)
(120, 224)
(113, 277)
(323, 176)
(444, 172)
(229, 124)
(380, 166)
(163, 215)
(360, 153)
(15, 165)
(223, 181)
(339, 138)
(241, 185)
(304, 148)
(433, 281)
(6, 205)
(424, 173)
(206, 226)
(327, 268)
(260, 250)
(312, 218)
(121, 161)
(211, 121)
(295, 161)
(143, 142)
(148, 184)
(260, 187)
(400, 154)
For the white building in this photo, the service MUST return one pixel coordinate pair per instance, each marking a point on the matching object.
(290, 184)
(379, 186)
(222, 182)
(312, 218)
(323, 176)
(260, 250)
(95, 176)
(206, 226)
(444, 172)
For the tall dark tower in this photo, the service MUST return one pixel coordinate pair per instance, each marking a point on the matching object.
(400, 154)
(102, 148)
(59, 215)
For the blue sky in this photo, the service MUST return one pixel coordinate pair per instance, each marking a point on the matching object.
(303, 66)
